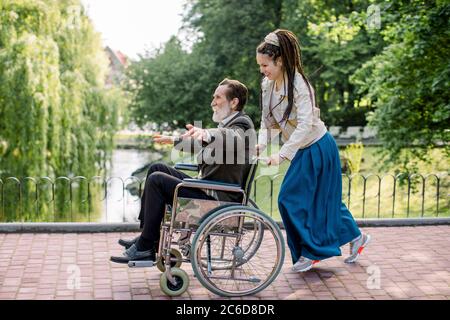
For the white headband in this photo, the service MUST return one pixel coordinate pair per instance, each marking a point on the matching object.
(272, 39)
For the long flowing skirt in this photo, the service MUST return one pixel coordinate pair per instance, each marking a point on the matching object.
(317, 222)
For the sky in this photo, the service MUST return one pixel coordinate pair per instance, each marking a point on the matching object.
(132, 26)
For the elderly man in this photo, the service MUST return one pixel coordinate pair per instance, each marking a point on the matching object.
(224, 155)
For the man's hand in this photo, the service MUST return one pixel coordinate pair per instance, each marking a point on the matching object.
(195, 133)
(159, 138)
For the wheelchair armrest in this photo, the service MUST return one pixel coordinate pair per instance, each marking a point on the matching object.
(186, 166)
(212, 185)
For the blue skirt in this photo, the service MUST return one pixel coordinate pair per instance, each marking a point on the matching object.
(316, 220)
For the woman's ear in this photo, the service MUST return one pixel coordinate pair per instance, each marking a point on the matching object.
(279, 62)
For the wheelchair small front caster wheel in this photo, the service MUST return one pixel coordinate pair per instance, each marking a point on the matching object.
(182, 282)
(174, 254)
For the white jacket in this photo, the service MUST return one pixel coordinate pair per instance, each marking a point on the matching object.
(303, 127)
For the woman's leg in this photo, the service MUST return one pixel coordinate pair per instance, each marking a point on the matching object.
(307, 206)
(349, 228)
(310, 203)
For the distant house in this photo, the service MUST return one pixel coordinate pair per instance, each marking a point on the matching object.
(118, 62)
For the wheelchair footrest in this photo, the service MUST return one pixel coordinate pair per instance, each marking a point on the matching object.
(141, 263)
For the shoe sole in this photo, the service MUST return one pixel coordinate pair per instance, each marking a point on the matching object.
(360, 250)
(307, 268)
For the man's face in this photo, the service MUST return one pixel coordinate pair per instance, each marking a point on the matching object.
(220, 105)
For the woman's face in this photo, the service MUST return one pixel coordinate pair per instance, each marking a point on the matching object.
(268, 67)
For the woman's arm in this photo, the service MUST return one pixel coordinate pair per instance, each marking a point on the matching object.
(265, 136)
(302, 101)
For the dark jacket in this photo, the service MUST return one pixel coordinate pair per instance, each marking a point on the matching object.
(226, 158)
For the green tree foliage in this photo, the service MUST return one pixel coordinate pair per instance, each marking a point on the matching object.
(397, 71)
(335, 41)
(169, 86)
(408, 83)
(230, 32)
(332, 35)
(174, 84)
(57, 116)
(353, 156)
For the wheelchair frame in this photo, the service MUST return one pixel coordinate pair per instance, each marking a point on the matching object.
(174, 281)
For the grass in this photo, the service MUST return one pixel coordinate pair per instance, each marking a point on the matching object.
(378, 201)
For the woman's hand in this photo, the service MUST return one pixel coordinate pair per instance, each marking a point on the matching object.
(274, 160)
(159, 138)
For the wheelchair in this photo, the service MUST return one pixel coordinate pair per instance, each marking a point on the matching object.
(221, 241)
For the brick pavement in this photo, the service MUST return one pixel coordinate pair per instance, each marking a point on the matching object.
(412, 263)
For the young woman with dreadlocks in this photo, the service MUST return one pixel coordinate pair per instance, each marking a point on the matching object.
(317, 223)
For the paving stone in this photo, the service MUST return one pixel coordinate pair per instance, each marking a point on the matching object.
(413, 263)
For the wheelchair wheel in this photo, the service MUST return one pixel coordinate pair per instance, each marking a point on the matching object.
(258, 234)
(218, 257)
(174, 254)
(254, 237)
(181, 285)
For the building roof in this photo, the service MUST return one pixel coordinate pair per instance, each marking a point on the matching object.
(122, 58)
(117, 56)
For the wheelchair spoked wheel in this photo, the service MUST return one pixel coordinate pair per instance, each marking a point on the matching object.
(175, 255)
(251, 246)
(181, 282)
(219, 261)
(258, 234)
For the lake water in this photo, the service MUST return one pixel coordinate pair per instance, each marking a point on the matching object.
(120, 205)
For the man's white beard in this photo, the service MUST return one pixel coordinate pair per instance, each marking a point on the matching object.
(221, 113)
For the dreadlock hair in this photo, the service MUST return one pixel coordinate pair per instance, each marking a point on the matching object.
(290, 53)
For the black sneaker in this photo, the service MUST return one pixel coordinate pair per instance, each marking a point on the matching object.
(132, 254)
(128, 243)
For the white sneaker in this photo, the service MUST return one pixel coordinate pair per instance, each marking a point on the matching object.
(303, 264)
(357, 246)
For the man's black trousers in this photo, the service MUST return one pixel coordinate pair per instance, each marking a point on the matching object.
(158, 191)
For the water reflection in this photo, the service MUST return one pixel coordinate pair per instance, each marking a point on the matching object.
(120, 205)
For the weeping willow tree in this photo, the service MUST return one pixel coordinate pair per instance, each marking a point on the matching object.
(57, 117)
